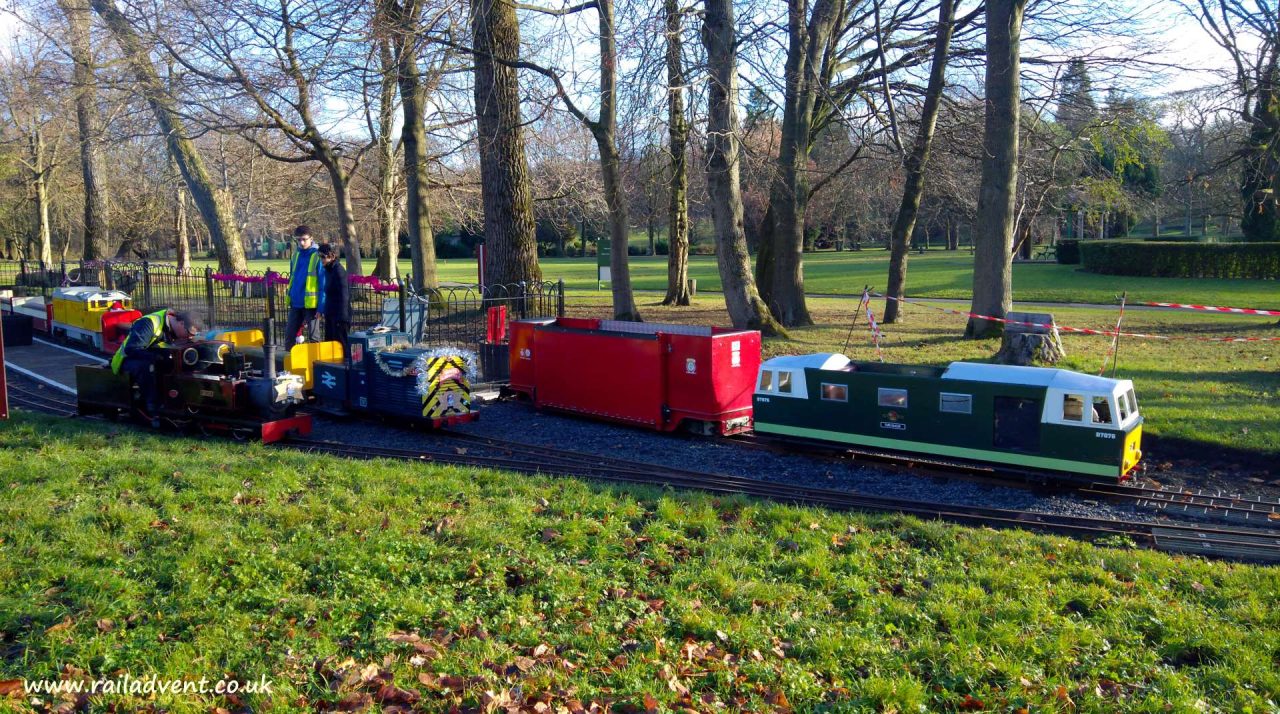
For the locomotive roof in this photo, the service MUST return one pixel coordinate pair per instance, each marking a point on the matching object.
(1032, 376)
(821, 360)
(971, 371)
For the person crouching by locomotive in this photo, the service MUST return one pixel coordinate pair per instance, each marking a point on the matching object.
(335, 297)
(304, 288)
(142, 350)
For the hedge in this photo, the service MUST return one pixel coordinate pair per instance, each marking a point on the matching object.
(1259, 261)
(1069, 252)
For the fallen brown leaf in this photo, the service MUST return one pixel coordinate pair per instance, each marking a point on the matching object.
(404, 637)
(355, 702)
(9, 686)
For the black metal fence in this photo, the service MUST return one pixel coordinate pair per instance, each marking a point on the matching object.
(447, 315)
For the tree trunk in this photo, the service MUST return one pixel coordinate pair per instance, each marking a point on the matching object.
(1260, 184)
(678, 143)
(993, 232)
(511, 254)
(422, 246)
(388, 213)
(97, 232)
(43, 237)
(346, 214)
(182, 243)
(214, 204)
(605, 131)
(916, 161)
(782, 268)
(624, 306)
(746, 309)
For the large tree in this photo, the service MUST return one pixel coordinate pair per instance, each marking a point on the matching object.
(915, 163)
(511, 248)
(404, 25)
(97, 231)
(284, 62)
(781, 267)
(837, 50)
(604, 129)
(214, 203)
(1249, 31)
(746, 309)
(997, 189)
(678, 145)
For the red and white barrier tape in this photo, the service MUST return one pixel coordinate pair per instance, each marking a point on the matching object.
(1078, 330)
(875, 331)
(1212, 308)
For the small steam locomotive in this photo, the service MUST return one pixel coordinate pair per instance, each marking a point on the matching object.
(207, 385)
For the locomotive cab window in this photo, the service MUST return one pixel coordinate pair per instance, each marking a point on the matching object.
(835, 393)
(1072, 407)
(1133, 402)
(1101, 410)
(766, 380)
(955, 403)
(1123, 403)
(784, 383)
(891, 397)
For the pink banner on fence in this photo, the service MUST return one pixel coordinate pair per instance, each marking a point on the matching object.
(373, 282)
(276, 278)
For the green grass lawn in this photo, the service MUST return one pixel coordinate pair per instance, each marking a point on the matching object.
(944, 274)
(1222, 394)
(341, 582)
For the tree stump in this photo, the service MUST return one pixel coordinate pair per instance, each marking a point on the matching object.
(1027, 345)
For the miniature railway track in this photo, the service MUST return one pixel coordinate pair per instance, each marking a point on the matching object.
(1239, 544)
(1248, 544)
(1227, 508)
(1233, 508)
(41, 400)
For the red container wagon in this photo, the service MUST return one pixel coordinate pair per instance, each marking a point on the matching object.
(658, 376)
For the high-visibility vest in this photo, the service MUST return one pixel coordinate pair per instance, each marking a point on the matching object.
(311, 290)
(157, 338)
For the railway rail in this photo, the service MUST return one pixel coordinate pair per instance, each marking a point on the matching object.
(1181, 503)
(1246, 544)
(1233, 508)
(1238, 544)
(42, 400)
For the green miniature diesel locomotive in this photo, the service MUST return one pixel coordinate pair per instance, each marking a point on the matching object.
(1027, 419)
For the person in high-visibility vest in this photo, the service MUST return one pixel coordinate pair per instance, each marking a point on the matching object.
(141, 350)
(304, 289)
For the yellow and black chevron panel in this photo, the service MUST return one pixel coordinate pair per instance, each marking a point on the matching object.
(448, 392)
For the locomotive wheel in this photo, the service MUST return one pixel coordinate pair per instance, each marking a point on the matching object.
(242, 434)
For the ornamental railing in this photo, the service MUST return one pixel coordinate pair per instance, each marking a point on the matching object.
(453, 314)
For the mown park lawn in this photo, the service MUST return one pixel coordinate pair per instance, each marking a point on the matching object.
(938, 273)
(125, 552)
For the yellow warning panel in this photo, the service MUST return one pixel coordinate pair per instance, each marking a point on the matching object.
(447, 390)
(302, 357)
